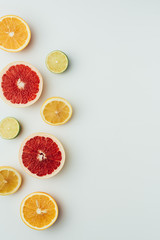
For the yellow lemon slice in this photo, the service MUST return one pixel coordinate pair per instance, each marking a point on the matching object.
(56, 111)
(15, 33)
(39, 210)
(10, 180)
(57, 61)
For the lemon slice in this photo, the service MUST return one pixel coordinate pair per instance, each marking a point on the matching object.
(57, 61)
(39, 210)
(56, 111)
(9, 128)
(10, 180)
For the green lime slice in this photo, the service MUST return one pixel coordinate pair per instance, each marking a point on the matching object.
(9, 128)
(57, 61)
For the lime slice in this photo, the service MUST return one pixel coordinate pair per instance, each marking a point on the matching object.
(57, 61)
(9, 128)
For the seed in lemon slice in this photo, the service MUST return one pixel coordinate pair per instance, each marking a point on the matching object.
(57, 61)
(9, 128)
(10, 180)
(56, 111)
(15, 33)
(39, 210)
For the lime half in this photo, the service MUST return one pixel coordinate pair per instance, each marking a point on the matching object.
(9, 128)
(57, 61)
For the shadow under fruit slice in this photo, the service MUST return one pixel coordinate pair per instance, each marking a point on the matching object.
(20, 84)
(42, 155)
(39, 210)
(10, 180)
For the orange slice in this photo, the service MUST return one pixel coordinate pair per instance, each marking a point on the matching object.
(56, 111)
(15, 33)
(39, 210)
(10, 180)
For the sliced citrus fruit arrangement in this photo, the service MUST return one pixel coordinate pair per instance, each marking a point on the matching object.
(9, 128)
(56, 111)
(15, 33)
(20, 84)
(57, 61)
(10, 180)
(42, 155)
(39, 210)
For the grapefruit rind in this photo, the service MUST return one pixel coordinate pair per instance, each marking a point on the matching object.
(27, 40)
(4, 70)
(22, 205)
(17, 174)
(55, 172)
(9, 133)
(56, 99)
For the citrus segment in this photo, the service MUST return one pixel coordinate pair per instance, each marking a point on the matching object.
(20, 84)
(57, 62)
(56, 111)
(10, 180)
(15, 33)
(39, 210)
(9, 128)
(42, 155)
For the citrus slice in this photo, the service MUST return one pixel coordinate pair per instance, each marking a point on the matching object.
(20, 84)
(57, 61)
(15, 33)
(9, 128)
(56, 111)
(10, 180)
(39, 210)
(42, 155)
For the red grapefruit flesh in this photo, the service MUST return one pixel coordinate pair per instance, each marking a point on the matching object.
(42, 155)
(20, 84)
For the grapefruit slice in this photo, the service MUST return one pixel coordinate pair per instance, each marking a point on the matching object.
(15, 33)
(42, 155)
(39, 210)
(20, 84)
(10, 180)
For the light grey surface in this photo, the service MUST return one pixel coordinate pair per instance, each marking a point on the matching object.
(109, 187)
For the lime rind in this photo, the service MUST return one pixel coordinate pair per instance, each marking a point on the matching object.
(9, 128)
